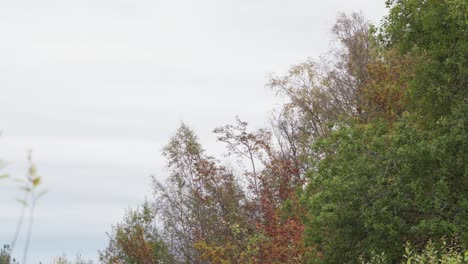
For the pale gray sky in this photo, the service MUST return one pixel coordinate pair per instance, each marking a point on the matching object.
(96, 87)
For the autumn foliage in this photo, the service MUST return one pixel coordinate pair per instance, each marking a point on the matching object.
(354, 165)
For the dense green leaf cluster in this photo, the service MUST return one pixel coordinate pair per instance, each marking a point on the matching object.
(437, 31)
(381, 184)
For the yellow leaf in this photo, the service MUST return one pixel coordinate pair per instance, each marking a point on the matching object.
(36, 181)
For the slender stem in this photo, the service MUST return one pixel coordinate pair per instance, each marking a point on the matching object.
(254, 173)
(28, 234)
(19, 224)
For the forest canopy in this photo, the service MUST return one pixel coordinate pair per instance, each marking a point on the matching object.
(364, 163)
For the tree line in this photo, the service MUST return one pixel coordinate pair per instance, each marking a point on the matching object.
(364, 163)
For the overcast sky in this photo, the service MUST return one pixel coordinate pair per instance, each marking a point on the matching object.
(96, 87)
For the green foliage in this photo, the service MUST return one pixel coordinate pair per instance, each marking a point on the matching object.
(373, 139)
(381, 185)
(375, 259)
(396, 178)
(200, 204)
(5, 255)
(64, 260)
(371, 154)
(436, 253)
(136, 240)
(432, 253)
(435, 31)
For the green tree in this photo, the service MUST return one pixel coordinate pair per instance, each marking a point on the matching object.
(5, 255)
(437, 32)
(136, 240)
(201, 205)
(382, 185)
(399, 175)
